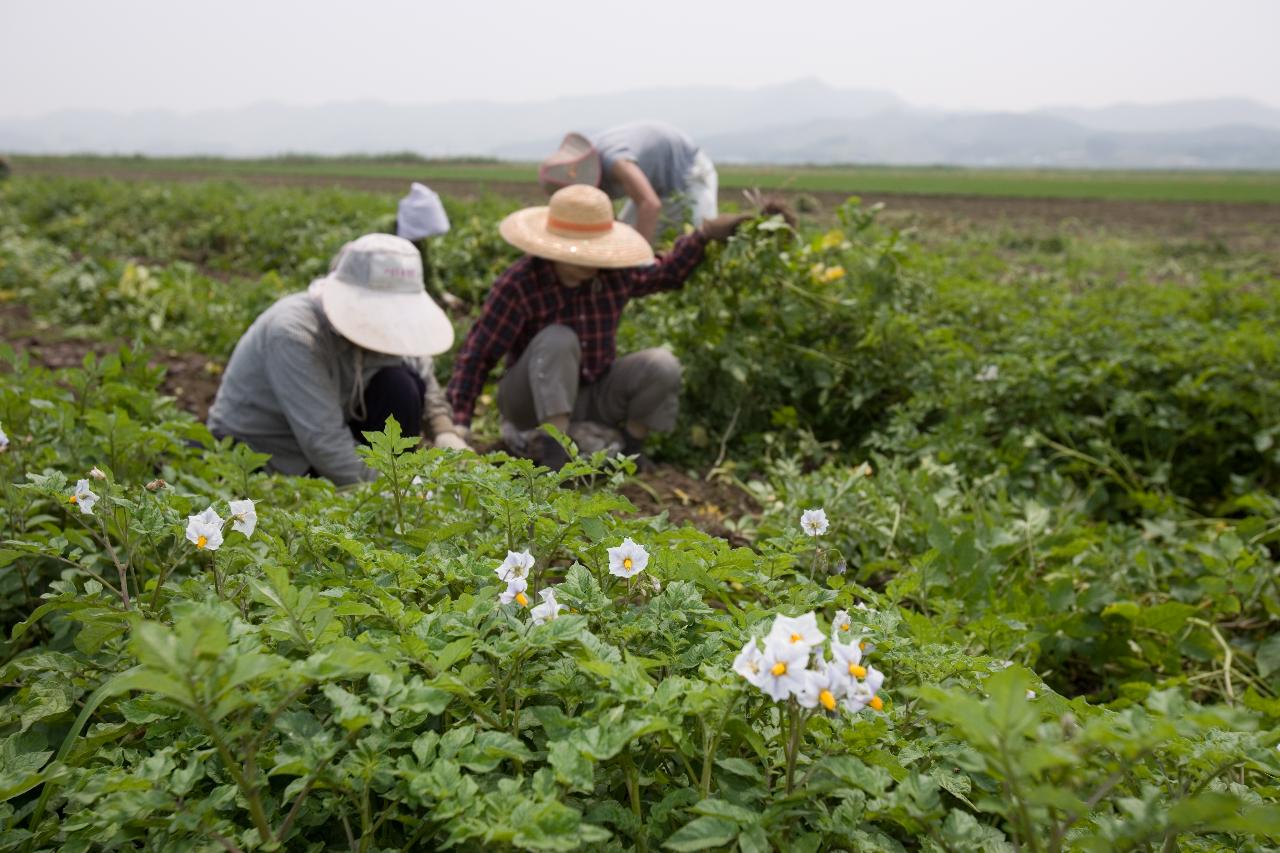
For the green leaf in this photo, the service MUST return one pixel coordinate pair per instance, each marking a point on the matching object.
(702, 833)
(1166, 618)
(1268, 656)
(151, 681)
(490, 749)
(47, 699)
(1122, 610)
(454, 652)
(719, 808)
(740, 767)
(573, 768)
(754, 840)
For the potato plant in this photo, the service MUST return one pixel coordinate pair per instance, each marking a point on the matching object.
(1013, 585)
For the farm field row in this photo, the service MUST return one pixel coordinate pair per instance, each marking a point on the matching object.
(1189, 186)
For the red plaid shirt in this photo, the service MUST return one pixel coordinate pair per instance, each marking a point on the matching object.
(528, 297)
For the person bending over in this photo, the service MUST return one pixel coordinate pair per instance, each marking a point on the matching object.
(320, 367)
(662, 174)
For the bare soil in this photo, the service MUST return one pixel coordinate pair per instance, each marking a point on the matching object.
(191, 379)
(704, 504)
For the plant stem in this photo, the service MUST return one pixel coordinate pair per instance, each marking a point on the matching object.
(124, 576)
(793, 742)
(1227, 656)
(217, 576)
(710, 746)
(633, 790)
(247, 788)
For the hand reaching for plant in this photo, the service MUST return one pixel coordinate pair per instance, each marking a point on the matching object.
(722, 227)
(778, 207)
(451, 441)
(771, 205)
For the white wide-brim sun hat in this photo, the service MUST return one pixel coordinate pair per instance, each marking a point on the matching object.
(374, 297)
(577, 227)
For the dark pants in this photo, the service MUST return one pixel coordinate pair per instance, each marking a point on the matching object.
(396, 392)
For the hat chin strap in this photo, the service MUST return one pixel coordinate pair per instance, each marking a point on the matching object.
(355, 403)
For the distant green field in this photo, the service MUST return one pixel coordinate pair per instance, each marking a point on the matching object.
(1028, 183)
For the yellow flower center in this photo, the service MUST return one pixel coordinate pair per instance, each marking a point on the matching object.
(779, 668)
(73, 499)
(626, 563)
(827, 699)
(795, 638)
(876, 703)
(857, 671)
(202, 541)
(844, 627)
(862, 646)
(522, 599)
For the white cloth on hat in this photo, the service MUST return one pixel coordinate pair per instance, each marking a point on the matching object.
(421, 214)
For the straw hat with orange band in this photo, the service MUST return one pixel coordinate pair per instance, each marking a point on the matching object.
(577, 227)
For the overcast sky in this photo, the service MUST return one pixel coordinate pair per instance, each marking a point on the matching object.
(987, 54)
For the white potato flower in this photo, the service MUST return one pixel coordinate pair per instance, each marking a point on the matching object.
(244, 517)
(863, 693)
(516, 565)
(628, 559)
(4, 441)
(814, 522)
(818, 687)
(848, 658)
(990, 373)
(205, 530)
(799, 631)
(83, 498)
(782, 668)
(97, 473)
(841, 627)
(749, 664)
(515, 592)
(549, 608)
(426, 494)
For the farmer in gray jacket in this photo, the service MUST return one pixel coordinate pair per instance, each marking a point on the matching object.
(318, 368)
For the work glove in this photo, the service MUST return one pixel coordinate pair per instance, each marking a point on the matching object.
(722, 227)
(451, 441)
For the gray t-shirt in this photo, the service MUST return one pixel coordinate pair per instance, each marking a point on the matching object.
(661, 151)
(290, 387)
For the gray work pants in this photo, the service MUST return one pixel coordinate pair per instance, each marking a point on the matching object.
(643, 387)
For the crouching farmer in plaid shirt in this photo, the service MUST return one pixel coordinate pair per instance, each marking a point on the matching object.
(554, 314)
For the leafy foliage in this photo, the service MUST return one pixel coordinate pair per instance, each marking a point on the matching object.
(1067, 570)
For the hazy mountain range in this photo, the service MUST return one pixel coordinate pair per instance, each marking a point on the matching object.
(805, 121)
